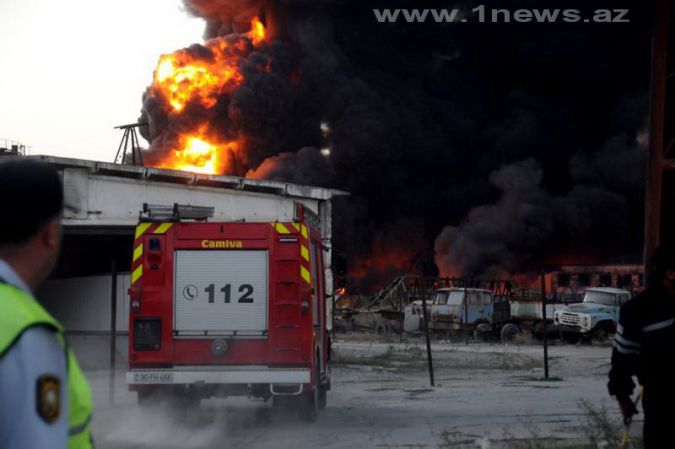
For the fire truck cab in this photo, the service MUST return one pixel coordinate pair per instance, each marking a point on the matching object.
(231, 308)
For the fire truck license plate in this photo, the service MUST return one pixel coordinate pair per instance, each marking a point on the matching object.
(153, 378)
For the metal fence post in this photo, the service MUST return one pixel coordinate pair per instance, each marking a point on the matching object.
(113, 330)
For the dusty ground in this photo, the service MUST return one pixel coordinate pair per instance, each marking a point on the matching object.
(486, 396)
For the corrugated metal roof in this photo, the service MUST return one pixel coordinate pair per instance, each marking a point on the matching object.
(180, 177)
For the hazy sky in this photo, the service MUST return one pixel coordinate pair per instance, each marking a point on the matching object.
(71, 70)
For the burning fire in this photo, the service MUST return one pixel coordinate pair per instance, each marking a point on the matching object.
(181, 81)
(257, 32)
(200, 153)
(199, 76)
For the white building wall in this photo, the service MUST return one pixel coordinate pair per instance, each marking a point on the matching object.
(99, 200)
(82, 304)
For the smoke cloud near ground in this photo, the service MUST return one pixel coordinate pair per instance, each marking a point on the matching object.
(527, 226)
(504, 145)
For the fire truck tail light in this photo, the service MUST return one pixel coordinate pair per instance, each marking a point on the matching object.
(135, 298)
(154, 256)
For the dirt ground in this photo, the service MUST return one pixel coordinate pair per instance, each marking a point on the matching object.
(486, 396)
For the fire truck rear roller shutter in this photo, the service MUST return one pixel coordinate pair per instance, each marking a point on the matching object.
(221, 291)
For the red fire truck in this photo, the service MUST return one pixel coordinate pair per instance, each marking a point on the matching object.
(233, 308)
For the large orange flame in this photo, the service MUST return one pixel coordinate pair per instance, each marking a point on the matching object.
(182, 82)
(199, 152)
(185, 78)
(257, 32)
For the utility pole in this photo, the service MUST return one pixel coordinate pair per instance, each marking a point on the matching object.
(660, 188)
(423, 296)
(543, 321)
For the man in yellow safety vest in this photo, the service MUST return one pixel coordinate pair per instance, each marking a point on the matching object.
(45, 398)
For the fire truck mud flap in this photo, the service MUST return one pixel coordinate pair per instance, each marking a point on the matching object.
(240, 375)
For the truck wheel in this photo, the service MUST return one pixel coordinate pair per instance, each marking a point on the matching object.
(509, 332)
(602, 331)
(323, 397)
(538, 331)
(309, 401)
(309, 407)
(447, 334)
(482, 332)
(570, 337)
(382, 328)
(322, 400)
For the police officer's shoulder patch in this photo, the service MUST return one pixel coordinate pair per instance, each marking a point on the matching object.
(48, 396)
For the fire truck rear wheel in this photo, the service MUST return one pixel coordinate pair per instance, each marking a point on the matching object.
(322, 400)
(309, 406)
(323, 397)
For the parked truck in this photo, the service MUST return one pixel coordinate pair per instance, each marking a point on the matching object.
(502, 313)
(595, 317)
(455, 309)
(413, 320)
(228, 308)
(527, 315)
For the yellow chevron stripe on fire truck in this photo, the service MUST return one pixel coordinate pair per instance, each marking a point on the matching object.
(141, 228)
(136, 275)
(304, 273)
(161, 229)
(281, 228)
(138, 252)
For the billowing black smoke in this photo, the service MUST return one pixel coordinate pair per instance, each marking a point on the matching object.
(298, 168)
(509, 143)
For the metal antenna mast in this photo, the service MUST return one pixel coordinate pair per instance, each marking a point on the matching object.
(130, 145)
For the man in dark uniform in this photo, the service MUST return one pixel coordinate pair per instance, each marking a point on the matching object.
(644, 346)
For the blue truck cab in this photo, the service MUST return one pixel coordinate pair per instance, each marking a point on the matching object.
(457, 308)
(596, 316)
